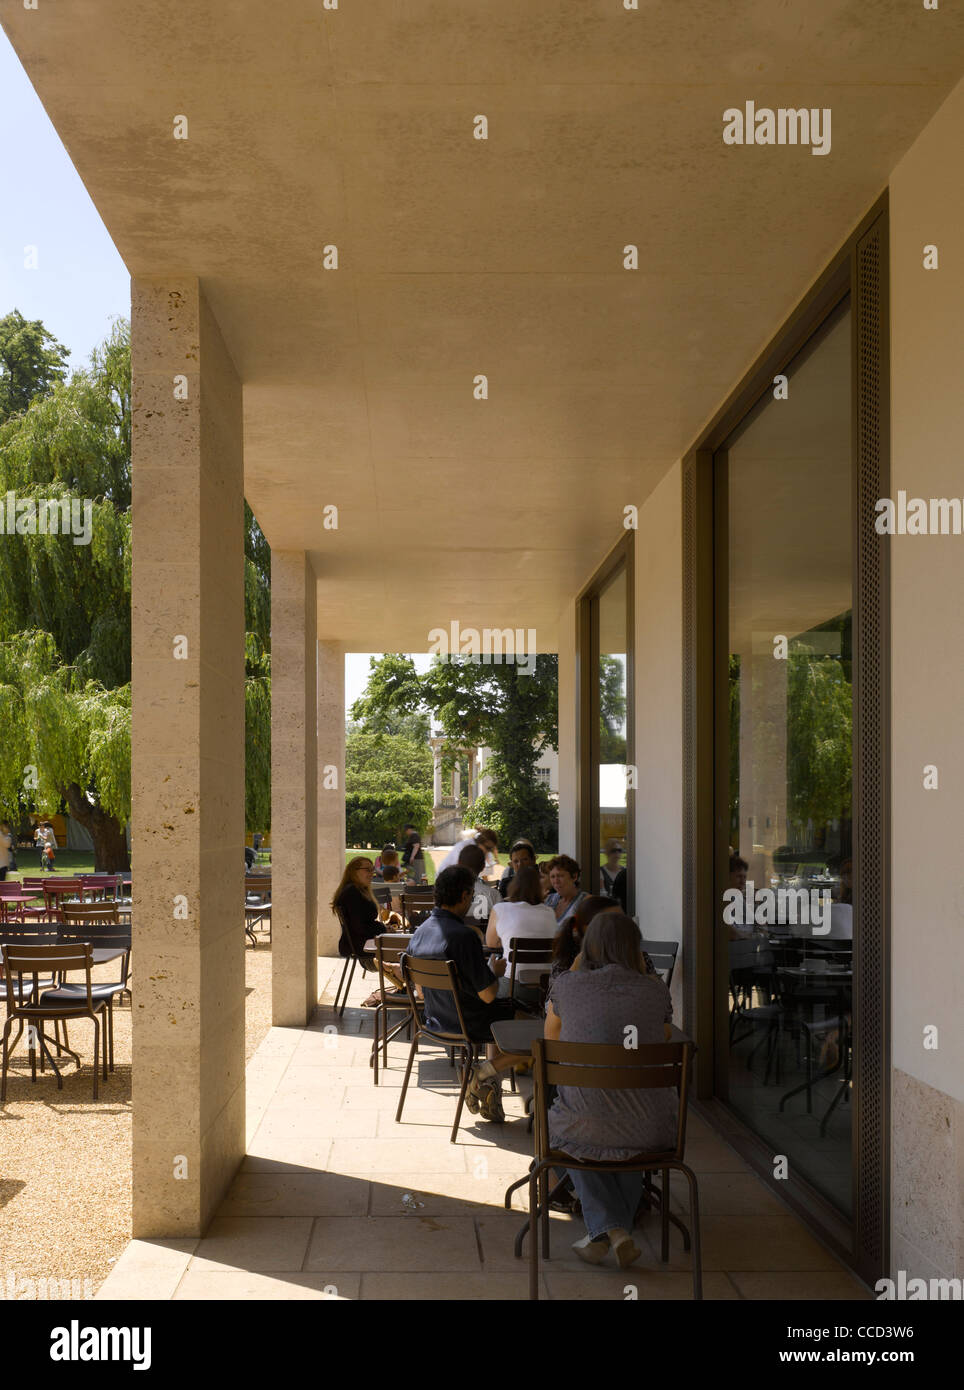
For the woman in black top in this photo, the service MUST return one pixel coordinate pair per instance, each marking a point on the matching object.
(359, 910)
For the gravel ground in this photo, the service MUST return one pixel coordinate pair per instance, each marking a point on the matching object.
(65, 1161)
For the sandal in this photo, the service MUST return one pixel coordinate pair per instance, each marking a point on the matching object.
(373, 1000)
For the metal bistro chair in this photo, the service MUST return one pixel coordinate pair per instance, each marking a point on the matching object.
(524, 953)
(419, 972)
(351, 960)
(416, 906)
(389, 949)
(34, 1008)
(663, 955)
(257, 905)
(595, 1066)
(98, 925)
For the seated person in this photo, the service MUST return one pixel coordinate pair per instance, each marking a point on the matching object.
(248, 859)
(472, 857)
(521, 852)
(523, 914)
(390, 912)
(568, 942)
(445, 935)
(594, 1005)
(544, 880)
(387, 858)
(564, 877)
(359, 910)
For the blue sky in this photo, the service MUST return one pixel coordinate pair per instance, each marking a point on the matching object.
(80, 283)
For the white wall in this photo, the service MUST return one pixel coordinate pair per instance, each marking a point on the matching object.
(927, 365)
(927, 418)
(658, 714)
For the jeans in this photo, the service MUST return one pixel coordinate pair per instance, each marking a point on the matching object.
(609, 1200)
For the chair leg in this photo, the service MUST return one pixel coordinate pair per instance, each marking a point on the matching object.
(349, 961)
(96, 1054)
(3, 1072)
(697, 1256)
(534, 1180)
(108, 1042)
(408, 1072)
(466, 1073)
(544, 1213)
(664, 1213)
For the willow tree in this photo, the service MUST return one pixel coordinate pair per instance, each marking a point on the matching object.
(65, 601)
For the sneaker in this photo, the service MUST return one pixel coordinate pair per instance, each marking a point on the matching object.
(473, 1095)
(624, 1248)
(490, 1102)
(592, 1251)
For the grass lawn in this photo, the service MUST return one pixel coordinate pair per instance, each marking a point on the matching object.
(67, 863)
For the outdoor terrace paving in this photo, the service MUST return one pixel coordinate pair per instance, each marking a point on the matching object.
(336, 1200)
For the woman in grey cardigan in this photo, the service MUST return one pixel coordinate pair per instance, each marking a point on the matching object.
(607, 991)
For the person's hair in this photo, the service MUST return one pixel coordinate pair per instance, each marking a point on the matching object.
(737, 863)
(389, 852)
(612, 938)
(452, 885)
(473, 858)
(563, 861)
(411, 827)
(526, 886)
(350, 878)
(568, 940)
(544, 867)
(490, 838)
(523, 844)
(391, 873)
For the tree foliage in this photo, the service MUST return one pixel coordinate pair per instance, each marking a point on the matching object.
(388, 784)
(65, 607)
(497, 705)
(31, 361)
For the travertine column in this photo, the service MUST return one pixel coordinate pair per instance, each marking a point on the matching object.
(294, 789)
(436, 777)
(331, 788)
(188, 760)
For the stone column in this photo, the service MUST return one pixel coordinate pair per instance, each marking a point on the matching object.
(456, 782)
(294, 789)
(436, 777)
(331, 788)
(187, 760)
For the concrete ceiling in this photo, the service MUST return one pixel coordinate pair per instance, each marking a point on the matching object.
(461, 257)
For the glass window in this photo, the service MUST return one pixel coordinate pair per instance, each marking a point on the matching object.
(786, 925)
(613, 826)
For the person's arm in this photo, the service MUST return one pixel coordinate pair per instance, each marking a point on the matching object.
(491, 934)
(553, 1023)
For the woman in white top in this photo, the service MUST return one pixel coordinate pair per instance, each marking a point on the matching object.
(522, 915)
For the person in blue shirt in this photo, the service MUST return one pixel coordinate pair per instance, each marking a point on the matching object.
(445, 935)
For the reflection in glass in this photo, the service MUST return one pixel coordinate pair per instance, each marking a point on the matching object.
(611, 678)
(787, 915)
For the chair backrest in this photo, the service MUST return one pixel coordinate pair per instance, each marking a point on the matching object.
(663, 955)
(258, 883)
(389, 949)
(33, 959)
(416, 907)
(61, 887)
(107, 884)
(346, 934)
(89, 914)
(422, 972)
(610, 1067)
(527, 951)
(383, 893)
